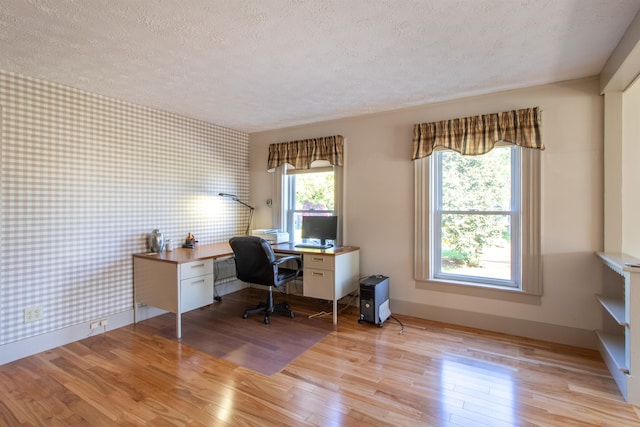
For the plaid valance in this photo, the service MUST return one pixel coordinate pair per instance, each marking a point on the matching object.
(300, 154)
(478, 134)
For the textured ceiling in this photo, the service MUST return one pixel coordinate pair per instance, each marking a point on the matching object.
(255, 65)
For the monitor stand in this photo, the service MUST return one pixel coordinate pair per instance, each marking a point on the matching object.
(322, 245)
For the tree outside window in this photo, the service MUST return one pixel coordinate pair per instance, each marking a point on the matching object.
(311, 193)
(475, 214)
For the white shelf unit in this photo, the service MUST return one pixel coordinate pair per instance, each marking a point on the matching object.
(619, 342)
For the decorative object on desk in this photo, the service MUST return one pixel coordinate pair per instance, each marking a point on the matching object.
(219, 332)
(168, 246)
(156, 241)
(190, 241)
(236, 199)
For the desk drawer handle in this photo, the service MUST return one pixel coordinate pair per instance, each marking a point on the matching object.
(198, 282)
(198, 266)
(318, 259)
(317, 274)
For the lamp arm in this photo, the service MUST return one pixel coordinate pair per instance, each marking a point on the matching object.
(251, 209)
(243, 203)
(236, 199)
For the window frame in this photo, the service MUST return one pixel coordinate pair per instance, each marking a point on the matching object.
(283, 219)
(513, 213)
(530, 280)
(291, 211)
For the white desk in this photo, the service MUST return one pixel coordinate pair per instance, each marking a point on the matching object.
(182, 280)
(327, 274)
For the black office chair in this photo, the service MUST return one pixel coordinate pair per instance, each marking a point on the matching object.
(256, 263)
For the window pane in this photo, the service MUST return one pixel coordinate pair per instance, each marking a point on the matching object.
(314, 191)
(476, 245)
(297, 226)
(480, 183)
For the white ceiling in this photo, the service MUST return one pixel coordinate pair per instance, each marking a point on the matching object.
(255, 65)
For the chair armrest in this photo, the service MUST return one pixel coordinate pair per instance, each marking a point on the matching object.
(289, 258)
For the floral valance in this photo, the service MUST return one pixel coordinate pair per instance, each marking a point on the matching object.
(478, 134)
(300, 154)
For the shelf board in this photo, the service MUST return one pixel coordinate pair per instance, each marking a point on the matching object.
(620, 262)
(614, 346)
(615, 307)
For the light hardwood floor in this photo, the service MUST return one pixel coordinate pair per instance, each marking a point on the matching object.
(432, 374)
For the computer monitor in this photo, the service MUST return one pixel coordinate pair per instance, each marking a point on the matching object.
(320, 227)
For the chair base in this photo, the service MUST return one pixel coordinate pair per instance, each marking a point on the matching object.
(264, 308)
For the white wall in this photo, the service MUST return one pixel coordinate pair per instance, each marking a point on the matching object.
(379, 206)
(630, 170)
(619, 84)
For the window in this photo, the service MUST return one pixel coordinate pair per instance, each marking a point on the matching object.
(477, 219)
(310, 192)
(307, 180)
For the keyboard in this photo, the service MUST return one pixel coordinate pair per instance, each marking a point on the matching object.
(312, 246)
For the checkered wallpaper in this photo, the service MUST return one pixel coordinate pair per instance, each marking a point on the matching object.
(84, 179)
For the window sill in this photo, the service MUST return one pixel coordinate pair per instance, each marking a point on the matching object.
(481, 291)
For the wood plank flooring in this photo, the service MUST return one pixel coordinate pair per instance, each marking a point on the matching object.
(249, 343)
(431, 374)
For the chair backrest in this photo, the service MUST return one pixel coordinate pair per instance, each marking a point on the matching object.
(254, 260)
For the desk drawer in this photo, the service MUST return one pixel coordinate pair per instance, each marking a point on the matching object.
(196, 268)
(196, 292)
(321, 262)
(318, 283)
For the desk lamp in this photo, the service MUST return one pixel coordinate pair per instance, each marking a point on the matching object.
(236, 199)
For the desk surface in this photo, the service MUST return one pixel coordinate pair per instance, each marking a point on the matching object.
(290, 248)
(222, 250)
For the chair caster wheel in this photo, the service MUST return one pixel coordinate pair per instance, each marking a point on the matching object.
(266, 320)
(292, 315)
(360, 321)
(245, 315)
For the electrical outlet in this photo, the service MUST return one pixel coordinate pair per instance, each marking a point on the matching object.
(32, 314)
(104, 322)
(93, 325)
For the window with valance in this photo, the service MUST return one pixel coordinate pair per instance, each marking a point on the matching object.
(303, 153)
(477, 135)
(468, 209)
(301, 164)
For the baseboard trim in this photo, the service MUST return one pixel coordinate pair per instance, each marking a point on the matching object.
(524, 328)
(39, 343)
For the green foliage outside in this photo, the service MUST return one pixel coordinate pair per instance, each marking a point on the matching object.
(474, 183)
(469, 183)
(314, 191)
